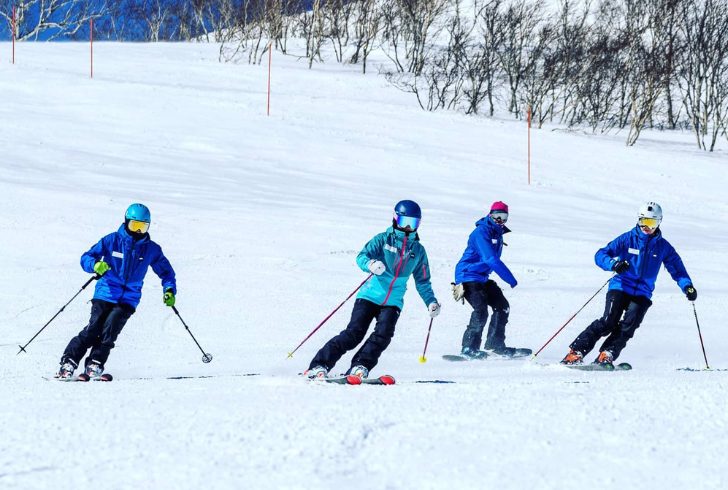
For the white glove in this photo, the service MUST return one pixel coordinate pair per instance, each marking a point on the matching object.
(434, 309)
(376, 267)
(458, 291)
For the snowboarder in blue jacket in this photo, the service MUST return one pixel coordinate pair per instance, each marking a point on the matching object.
(392, 257)
(481, 257)
(636, 257)
(120, 260)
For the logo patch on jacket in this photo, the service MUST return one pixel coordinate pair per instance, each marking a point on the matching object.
(633, 251)
(390, 248)
(118, 255)
(494, 240)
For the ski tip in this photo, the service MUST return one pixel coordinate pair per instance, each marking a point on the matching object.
(83, 377)
(106, 377)
(353, 380)
(387, 379)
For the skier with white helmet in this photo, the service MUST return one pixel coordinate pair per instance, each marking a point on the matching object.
(636, 257)
(121, 260)
(392, 257)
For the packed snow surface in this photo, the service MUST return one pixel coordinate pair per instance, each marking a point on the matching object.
(262, 217)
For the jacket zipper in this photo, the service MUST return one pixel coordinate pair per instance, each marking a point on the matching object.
(396, 272)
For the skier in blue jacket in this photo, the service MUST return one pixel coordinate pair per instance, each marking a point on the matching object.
(636, 257)
(121, 260)
(392, 257)
(481, 257)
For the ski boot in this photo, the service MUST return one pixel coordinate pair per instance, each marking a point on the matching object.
(94, 370)
(359, 371)
(67, 369)
(471, 353)
(573, 357)
(605, 359)
(316, 372)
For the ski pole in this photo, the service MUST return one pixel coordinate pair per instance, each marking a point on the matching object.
(423, 359)
(290, 354)
(702, 346)
(22, 348)
(569, 320)
(206, 357)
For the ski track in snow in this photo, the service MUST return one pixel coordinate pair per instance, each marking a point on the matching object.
(262, 218)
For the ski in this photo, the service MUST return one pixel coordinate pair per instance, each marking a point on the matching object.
(83, 377)
(517, 354)
(356, 380)
(623, 366)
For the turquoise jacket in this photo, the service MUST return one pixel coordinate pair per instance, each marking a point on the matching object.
(404, 255)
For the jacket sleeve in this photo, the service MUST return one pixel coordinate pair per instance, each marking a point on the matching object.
(676, 268)
(371, 251)
(95, 253)
(489, 257)
(422, 278)
(606, 255)
(163, 269)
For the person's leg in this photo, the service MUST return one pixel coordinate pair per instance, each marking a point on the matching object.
(633, 316)
(496, 338)
(368, 355)
(115, 321)
(77, 347)
(361, 316)
(476, 296)
(615, 305)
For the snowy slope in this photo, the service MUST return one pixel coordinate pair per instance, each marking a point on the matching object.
(262, 218)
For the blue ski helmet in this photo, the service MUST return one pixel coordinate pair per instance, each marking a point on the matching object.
(138, 212)
(407, 214)
(408, 208)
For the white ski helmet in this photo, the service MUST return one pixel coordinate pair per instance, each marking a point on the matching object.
(651, 210)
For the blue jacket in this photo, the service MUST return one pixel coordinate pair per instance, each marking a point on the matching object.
(482, 255)
(404, 256)
(129, 261)
(645, 254)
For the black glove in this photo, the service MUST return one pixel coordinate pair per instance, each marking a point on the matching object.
(620, 266)
(690, 292)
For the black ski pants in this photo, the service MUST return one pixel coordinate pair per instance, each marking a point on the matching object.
(361, 317)
(618, 331)
(107, 321)
(481, 295)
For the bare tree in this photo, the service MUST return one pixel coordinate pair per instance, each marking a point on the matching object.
(51, 19)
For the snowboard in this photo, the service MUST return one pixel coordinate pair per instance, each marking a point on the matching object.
(622, 366)
(520, 352)
(84, 378)
(356, 380)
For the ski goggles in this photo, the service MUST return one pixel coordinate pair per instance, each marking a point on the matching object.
(499, 217)
(138, 226)
(648, 222)
(405, 221)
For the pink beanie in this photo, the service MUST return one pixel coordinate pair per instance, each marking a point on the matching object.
(499, 206)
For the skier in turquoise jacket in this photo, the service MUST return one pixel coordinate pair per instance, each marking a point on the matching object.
(391, 258)
(120, 260)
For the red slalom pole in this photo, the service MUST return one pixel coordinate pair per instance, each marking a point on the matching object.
(14, 21)
(423, 359)
(290, 354)
(92, 46)
(569, 320)
(270, 61)
(529, 145)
